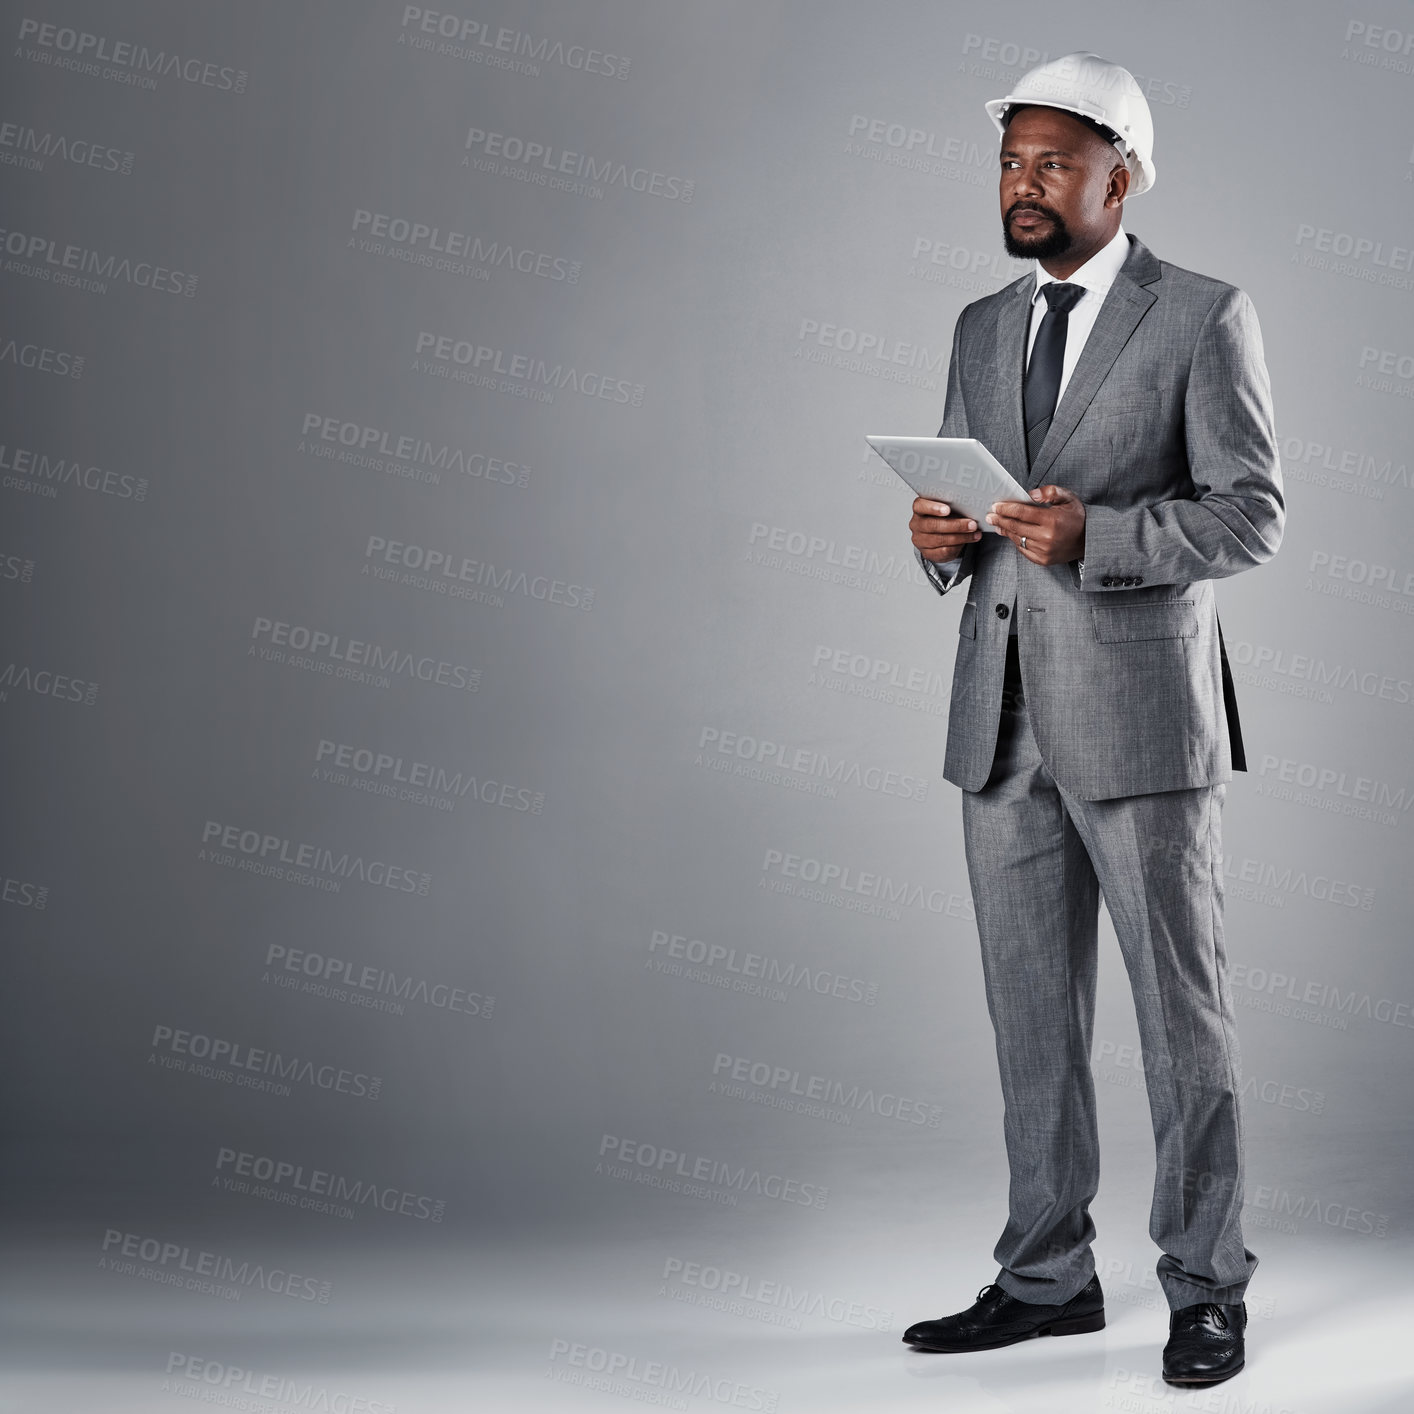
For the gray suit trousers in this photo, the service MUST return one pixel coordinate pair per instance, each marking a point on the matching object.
(1039, 859)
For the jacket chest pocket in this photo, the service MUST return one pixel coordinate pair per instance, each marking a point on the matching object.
(1132, 420)
(1125, 402)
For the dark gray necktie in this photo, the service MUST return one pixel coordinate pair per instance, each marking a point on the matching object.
(1043, 372)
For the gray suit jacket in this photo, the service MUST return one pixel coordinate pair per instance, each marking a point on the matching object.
(1165, 433)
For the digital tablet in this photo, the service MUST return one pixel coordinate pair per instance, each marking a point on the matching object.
(957, 470)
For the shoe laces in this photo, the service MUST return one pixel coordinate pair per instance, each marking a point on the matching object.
(1204, 1311)
(990, 1292)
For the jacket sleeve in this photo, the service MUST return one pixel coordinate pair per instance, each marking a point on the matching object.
(950, 573)
(1234, 520)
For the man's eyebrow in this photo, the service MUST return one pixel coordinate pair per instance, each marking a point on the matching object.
(1049, 152)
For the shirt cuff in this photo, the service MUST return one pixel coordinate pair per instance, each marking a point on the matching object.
(944, 574)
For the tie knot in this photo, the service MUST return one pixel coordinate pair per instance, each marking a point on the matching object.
(1062, 298)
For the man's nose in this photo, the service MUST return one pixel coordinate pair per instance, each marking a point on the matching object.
(1026, 182)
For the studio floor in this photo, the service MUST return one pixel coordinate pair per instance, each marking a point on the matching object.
(584, 1326)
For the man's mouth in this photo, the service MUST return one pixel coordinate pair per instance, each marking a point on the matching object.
(1027, 218)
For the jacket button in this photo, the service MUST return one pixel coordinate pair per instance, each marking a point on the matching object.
(1139, 579)
(1003, 612)
(1106, 583)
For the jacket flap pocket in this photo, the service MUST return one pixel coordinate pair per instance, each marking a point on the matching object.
(1128, 623)
(967, 624)
(1142, 403)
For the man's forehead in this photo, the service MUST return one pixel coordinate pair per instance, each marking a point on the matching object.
(1015, 147)
(1055, 132)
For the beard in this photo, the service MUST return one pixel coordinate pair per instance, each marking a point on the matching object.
(1036, 247)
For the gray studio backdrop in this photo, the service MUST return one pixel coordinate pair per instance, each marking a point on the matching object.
(473, 720)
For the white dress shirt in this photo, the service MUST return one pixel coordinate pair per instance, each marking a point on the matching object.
(1095, 277)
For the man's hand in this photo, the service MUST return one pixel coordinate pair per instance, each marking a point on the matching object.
(1054, 533)
(939, 535)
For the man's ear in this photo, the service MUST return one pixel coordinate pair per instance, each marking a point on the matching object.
(1119, 185)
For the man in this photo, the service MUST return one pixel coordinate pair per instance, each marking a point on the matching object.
(1093, 725)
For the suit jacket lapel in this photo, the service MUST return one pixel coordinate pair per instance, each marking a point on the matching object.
(1126, 304)
(1002, 428)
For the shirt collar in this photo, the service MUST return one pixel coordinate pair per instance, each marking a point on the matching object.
(1097, 274)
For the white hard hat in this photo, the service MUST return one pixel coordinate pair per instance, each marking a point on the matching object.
(1086, 84)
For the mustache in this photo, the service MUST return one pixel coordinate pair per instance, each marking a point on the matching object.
(1032, 206)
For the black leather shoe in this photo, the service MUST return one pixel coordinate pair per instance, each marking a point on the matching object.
(1205, 1344)
(998, 1319)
